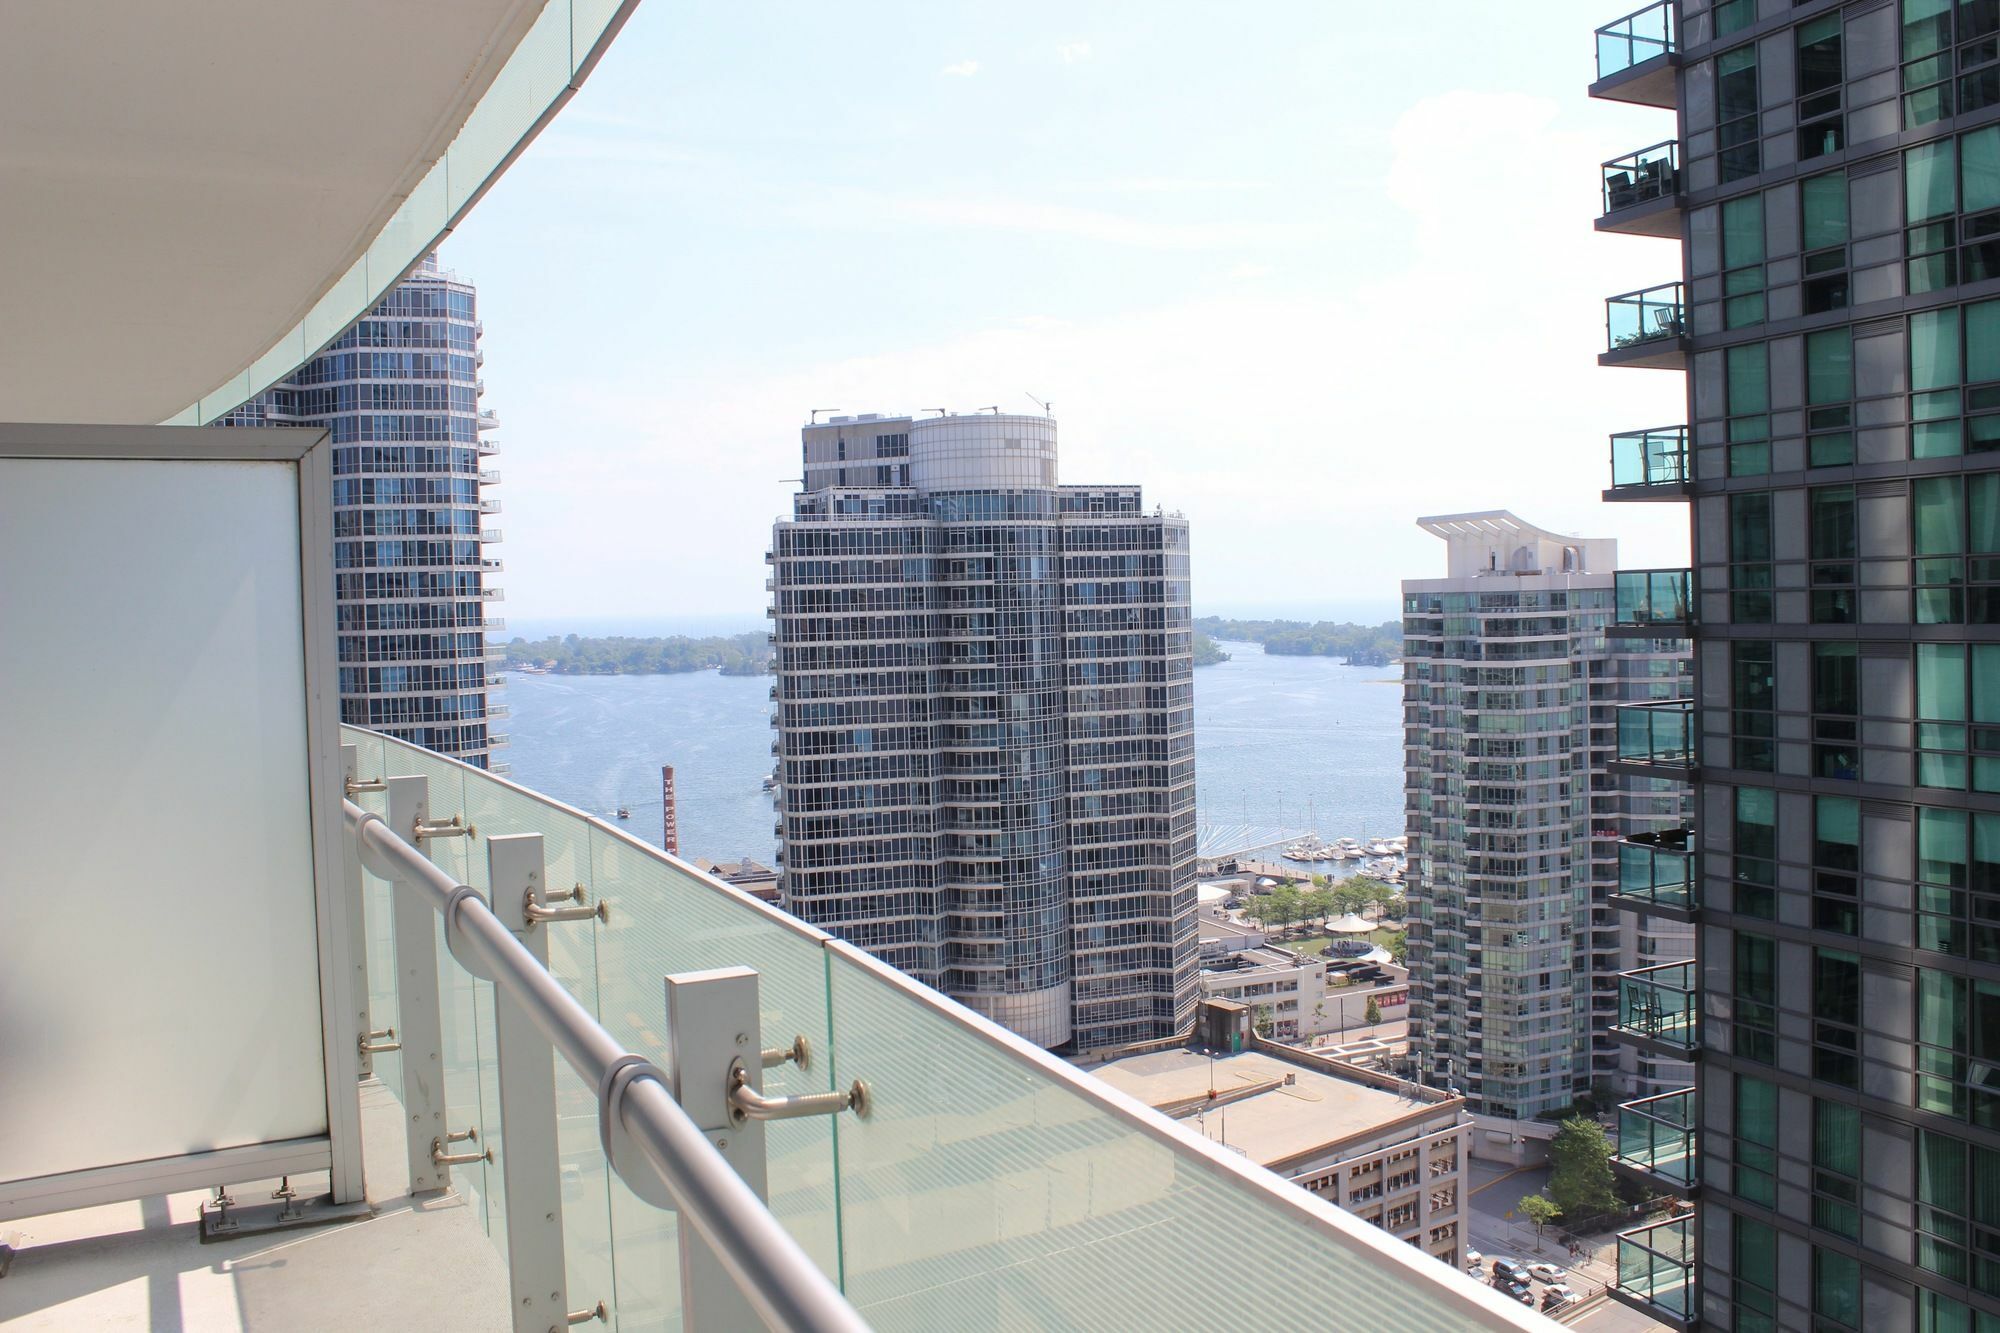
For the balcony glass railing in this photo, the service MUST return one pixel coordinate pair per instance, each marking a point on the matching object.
(1658, 1004)
(1656, 1134)
(1661, 733)
(984, 1170)
(1641, 177)
(1660, 876)
(1649, 598)
(1652, 315)
(1649, 457)
(1635, 39)
(1656, 1266)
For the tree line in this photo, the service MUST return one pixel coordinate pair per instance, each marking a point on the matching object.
(1360, 645)
(574, 655)
(1288, 905)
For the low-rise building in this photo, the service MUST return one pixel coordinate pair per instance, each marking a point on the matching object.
(1386, 1150)
(753, 877)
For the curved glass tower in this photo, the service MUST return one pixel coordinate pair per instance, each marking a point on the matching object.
(399, 391)
(985, 724)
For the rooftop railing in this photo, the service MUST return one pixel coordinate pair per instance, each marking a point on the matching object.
(1635, 39)
(1656, 457)
(971, 1172)
(1651, 315)
(1641, 177)
(1657, 1005)
(1656, 1136)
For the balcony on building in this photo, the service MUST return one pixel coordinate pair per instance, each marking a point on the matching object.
(1643, 192)
(1649, 464)
(1658, 875)
(1652, 604)
(1655, 740)
(1638, 58)
(1646, 329)
(1657, 1010)
(1655, 1143)
(1656, 1271)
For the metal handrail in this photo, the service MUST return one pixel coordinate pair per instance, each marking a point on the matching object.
(774, 1274)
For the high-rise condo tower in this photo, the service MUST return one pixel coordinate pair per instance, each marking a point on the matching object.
(413, 565)
(984, 724)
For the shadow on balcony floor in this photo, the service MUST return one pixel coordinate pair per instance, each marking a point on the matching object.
(417, 1263)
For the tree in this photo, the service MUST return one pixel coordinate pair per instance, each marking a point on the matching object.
(1318, 905)
(1285, 905)
(1580, 1180)
(1541, 1210)
(1373, 1013)
(1399, 945)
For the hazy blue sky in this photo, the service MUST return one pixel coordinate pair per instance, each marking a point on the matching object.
(1306, 271)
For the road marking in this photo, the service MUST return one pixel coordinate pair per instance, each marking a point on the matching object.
(1497, 1179)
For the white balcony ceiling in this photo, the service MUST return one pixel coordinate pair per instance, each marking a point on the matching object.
(180, 182)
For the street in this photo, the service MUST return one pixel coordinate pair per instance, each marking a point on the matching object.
(1492, 1194)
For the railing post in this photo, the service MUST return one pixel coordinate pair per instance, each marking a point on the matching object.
(712, 1023)
(350, 760)
(418, 1024)
(528, 1152)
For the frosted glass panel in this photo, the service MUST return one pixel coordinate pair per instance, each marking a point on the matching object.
(159, 969)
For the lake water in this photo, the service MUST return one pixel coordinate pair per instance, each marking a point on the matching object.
(1283, 745)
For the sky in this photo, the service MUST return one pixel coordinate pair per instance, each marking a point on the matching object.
(1305, 271)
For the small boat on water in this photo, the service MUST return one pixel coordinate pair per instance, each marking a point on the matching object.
(623, 813)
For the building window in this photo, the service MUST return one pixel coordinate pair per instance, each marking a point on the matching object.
(1757, 1140)
(1836, 863)
(1958, 883)
(1958, 716)
(1756, 1283)
(1836, 1289)
(1958, 1211)
(1756, 852)
(1743, 261)
(1831, 533)
(1736, 106)
(1837, 1168)
(1749, 373)
(1930, 201)
(1941, 39)
(1836, 705)
(1821, 130)
(1958, 1043)
(1734, 16)
(1955, 539)
(1837, 1017)
(1750, 579)
(1947, 420)
(1756, 1030)
(1753, 722)
(1830, 394)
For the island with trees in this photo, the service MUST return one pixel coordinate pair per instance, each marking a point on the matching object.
(1359, 645)
(575, 655)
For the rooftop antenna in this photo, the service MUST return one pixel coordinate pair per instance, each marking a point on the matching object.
(939, 410)
(816, 411)
(1048, 409)
(995, 409)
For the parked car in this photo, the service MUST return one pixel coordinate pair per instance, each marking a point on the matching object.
(1508, 1270)
(1474, 1260)
(1520, 1291)
(1559, 1297)
(1546, 1273)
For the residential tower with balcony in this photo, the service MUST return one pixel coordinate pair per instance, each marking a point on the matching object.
(1833, 181)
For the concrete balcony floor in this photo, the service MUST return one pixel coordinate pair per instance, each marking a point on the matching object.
(417, 1263)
